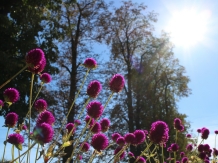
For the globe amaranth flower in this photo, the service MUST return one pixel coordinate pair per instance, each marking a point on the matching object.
(34, 58)
(117, 150)
(79, 157)
(202, 155)
(188, 136)
(11, 95)
(206, 148)
(199, 130)
(96, 128)
(116, 83)
(94, 109)
(121, 141)
(71, 128)
(42, 133)
(129, 138)
(89, 120)
(159, 132)
(139, 136)
(200, 148)
(105, 124)
(131, 155)
(85, 147)
(140, 159)
(184, 160)
(177, 122)
(215, 152)
(46, 117)
(38, 69)
(115, 136)
(77, 122)
(204, 133)
(169, 149)
(40, 105)
(1, 104)
(24, 127)
(174, 147)
(99, 142)
(16, 139)
(182, 154)
(45, 78)
(189, 147)
(94, 88)
(90, 63)
(11, 119)
(216, 131)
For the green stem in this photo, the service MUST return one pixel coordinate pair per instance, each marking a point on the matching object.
(19, 155)
(13, 77)
(12, 152)
(174, 157)
(92, 157)
(87, 101)
(5, 145)
(30, 106)
(109, 98)
(176, 135)
(37, 152)
(148, 146)
(162, 153)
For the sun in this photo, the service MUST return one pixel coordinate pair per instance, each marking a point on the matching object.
(188, 27)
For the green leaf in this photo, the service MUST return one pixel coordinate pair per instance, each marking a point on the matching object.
(19, 147)
(68, 143)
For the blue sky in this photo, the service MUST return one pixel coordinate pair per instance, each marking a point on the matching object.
(199, 60)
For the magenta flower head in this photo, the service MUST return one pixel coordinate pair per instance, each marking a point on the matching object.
(184, 160)
(24, 127)
(189, 147)
(46, 117)
(105, 124)
(11, 119)
(174, 147)
(96, 128)
(140, 159)
(139, 136)
(85, 147)
(43, 133)
(204, 133)
(182, 154)
(45, 78)
(90, 63)
(40, 105)
(200, 148)
(202, 155)
(99, 142)
(131, 155)
(70, 127)
(116, 83)
(94, 109)
(11, 95)
(215, 152)
(89, 120)
(188, 136)
(129, 138)
(117, 150)
(1, 104)
(121, 141)
(216, 131)
(77, 122)
(159, 132)
(16, 139)
(177, 122)
(199, 130)
(115, 136)
(34, 58)
(38, 69)
(206, 148)
(94, 88)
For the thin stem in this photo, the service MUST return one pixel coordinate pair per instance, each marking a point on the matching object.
(162, 153)
(30, 106)
(37, 152)
(92, 157)
(12, 152)
(5, 145)
(19, 156)
(148, 146)
(13, 77)
(23, 153)
(87, 101)
(174, 157)
(109, 98)
(176, 136)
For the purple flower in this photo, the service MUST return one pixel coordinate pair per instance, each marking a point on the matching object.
(206, 161)
(216, 131)
(204, 133)
(1, 104)
(11, 95)
(85, 147)
(202, 155)
(79, 157)
(180, 128)
(40, 105)
(99, 142)
(95, 109)
(121, 141)
(77, 122)
(199, 130)
(38, 69)
(184, 160)
(115, 136)
(140, 160)
(182, 154)
(188, 136)
(215, 152)
(45, 78)
(189, 147)
(96, 128)
(129, 138)
(70, 127)
(139, 136)
(11, 119)
(169, 149)
(131, 155)
(206, 148)
(117, 150)
(177, 122)
(87, 119)
(24, 127)
(15, 139)
(159, 132)
(200, 148)
(43, 133)
(174, 147)
(116, 83)
(34, 58)
(94, 89)
(105, 123)
(46, 117)
(90, 63)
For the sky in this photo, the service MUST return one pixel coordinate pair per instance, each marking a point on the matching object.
(196, 43)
